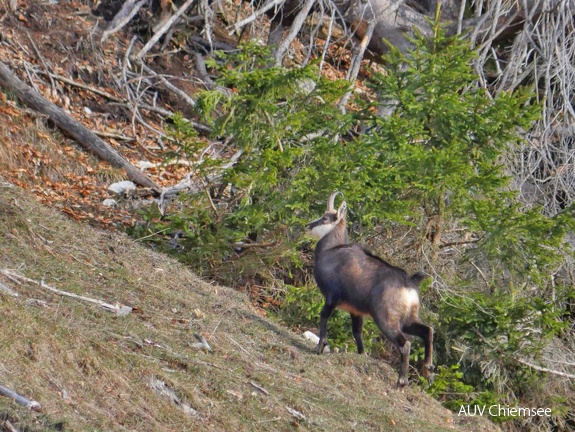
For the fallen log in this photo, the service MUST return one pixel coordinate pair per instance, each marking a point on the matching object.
(72, 127)
(30, 404)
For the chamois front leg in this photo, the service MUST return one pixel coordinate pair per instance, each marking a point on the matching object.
(357, 330)
(324, 316)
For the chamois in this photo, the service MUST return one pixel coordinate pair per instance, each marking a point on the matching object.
(353, 279)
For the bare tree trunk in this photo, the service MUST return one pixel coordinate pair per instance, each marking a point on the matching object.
(356, 63)
(10, 82)
(167, 25)
(294, 30)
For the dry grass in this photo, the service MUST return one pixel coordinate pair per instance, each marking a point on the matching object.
(91, 370)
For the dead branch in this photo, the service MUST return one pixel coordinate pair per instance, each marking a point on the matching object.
(524, 361)
(567, 363)
(260, 388)
(242, 245)
(30, 404)
(163, 29)
(298, 415)
(461, 16)
(544, 369)
(319, 24)
(191, 187)
(10, 82)
(327, 39)
(459, 243)
(205, 76)
(208, 13)
(125, 64)
(82, 86)
(202, 70)
(176, 162)
(123, 17)
(37, 303)
(204, 44)
(165, 113)
(358, 57)
(255, 15)
(41, 58)
(541, 56)
(293, 32)
(163, 390)
(7, 290)
(13, 279)
(116, 309)
(170, 86)
(353, 71)
(99, 93)
(7, 425)
(115, 136)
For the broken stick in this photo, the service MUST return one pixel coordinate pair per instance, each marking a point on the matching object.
(7, 290)
(30, 404)
(116, 309)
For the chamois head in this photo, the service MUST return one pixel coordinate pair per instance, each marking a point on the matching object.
(319, 228)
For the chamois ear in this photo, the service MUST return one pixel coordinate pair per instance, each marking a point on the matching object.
(341, 211)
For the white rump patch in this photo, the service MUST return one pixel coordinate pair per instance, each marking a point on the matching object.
(410, 297)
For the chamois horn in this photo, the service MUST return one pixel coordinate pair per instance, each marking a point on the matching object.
(331, 200)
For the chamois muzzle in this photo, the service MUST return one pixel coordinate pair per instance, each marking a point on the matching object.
(321, 226)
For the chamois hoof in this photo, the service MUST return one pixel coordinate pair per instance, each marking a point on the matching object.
(428, 373)
(321, 348)
(401, 383)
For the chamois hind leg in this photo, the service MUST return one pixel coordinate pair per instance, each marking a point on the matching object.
(357, 329)
(426, 333)
(396, 336)
(324, 315)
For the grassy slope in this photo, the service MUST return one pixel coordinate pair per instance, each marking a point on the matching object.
(91, 370)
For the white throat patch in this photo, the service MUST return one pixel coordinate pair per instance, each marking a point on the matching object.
(320, 231)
